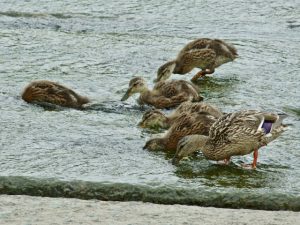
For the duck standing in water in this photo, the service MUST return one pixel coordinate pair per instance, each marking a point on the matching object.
(165, 94)
(204, 53)
(157, 119)
(237, 133)
(41, 92)
(185, 124)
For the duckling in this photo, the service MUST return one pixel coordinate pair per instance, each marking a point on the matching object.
(165, 94)
(204, 53)
(185, 124)
(43, 91)
(237, 133)
(156, 119)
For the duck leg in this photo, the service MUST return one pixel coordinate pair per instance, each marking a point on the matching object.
(224, 162)
(253, 165)
(227, 161)
(255, 156)
(209, 71)
(202, 73)
(198, 75)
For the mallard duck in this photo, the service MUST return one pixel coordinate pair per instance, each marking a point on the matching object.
(237, 133)
(157, 119)
(185, 124)
(41, 92)
(204, 53)
(165, 94)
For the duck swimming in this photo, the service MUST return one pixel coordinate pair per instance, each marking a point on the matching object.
(156, 119)
(204, 53)
(185, 124)
(237, 133)
(165, 94)
(43, 91)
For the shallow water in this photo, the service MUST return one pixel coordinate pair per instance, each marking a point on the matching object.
(95, 47)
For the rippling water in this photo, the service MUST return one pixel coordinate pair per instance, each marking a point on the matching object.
(95, 47)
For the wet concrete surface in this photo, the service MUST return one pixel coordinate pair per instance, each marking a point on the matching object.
(19, 209)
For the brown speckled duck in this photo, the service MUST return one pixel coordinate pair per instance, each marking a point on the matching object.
(165, 94)
(43, 91)
(156, 119)
(237, 133)
(185, 124)
(204, 53)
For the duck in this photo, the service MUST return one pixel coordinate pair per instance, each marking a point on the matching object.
(204, 53)
(165, 94)
(185, 124)
(43, 91)
(237, 133)
(156, 119)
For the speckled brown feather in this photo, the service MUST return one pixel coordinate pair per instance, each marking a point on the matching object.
(201, 58)
(157, 119)
(54, 93)
(238, 134)
(185, 124)
(168, 94)
(203, 53)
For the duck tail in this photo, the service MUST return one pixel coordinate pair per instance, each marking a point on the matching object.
(27, 94)
(231, 50)
(277, 128)
(83, 100)
(278, 122)
(199, 98)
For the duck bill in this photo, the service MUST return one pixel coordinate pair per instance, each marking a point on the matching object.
(141, 125)
(175, 160)
(156, 80)
(126, 95)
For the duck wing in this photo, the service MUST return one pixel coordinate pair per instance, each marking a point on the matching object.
(161, 102)
(201, 58)
(200, 43)
(242, 132)
(51, 92)
(238, 132)
(187, 124)
(224, 49)
(202, 107)
(169, 89)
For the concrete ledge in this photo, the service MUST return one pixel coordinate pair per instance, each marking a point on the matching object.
(19, 209)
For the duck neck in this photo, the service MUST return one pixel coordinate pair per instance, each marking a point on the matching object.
(191, 144)
(160, 144)
(207, 149)
(168, 121)
(145, 94)
(171, 65)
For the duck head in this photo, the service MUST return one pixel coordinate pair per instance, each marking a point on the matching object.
(153, 119)
(136, 85)
(165, 71)
(188, 145)
(155, 144)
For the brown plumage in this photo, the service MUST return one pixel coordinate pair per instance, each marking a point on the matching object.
(204, 53)
(185, 124)
(157, 119)
(238, 133)
(41, 92)
(165, 94)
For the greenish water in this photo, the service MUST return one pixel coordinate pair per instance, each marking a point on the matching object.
(163, 195)
(95, 47)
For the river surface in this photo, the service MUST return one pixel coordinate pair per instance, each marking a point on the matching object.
(96, 47)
